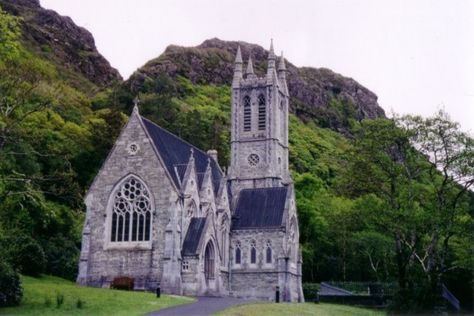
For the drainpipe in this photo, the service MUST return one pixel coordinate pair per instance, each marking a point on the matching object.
(285, 295)
(229, 265)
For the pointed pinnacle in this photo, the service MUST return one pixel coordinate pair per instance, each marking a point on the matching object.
(271, 53)
(250, 67)
(238, 56)
(136, 101)
(281, 65)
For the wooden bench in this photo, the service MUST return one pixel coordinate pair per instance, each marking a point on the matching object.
(123, 283)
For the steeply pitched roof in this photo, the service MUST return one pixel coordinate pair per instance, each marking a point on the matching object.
(176, 152)
(193, 235)
(260, 208)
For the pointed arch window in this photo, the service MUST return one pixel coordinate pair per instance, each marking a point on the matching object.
(268, 252)
(238, 253)
(247, 114)
(253, 252)
(224, 234)
(131, 212)
(261, 112)
(209, 259)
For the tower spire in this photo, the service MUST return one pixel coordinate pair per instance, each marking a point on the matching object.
(237, 68)
(249, 71)
(281, 65)
(271, 61)
(238, 56)
(271, 52)
(282, 74)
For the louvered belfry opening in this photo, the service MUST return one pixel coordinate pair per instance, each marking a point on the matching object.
(261, 112)
(209, 261)
(247, 114)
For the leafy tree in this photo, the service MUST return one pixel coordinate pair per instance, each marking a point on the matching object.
(383, 162)
(450, 175)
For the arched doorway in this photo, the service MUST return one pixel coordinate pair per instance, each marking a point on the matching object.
(209, 262)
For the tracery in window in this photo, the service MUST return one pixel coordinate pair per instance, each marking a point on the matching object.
(268, 252)
(253, 252)
(131, 212)
(247, 114)
(261, 112)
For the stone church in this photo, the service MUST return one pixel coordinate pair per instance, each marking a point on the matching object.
(164, 213)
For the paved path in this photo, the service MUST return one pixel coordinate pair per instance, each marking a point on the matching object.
(203, 307)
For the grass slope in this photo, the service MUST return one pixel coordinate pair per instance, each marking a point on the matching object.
(262, 309)
(41, 295)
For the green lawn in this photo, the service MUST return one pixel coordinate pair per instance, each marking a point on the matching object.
(262, 309)
(41, 296)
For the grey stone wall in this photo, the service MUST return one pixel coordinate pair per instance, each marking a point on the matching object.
(101, 261)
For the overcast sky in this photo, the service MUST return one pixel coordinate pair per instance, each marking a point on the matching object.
(416, 55)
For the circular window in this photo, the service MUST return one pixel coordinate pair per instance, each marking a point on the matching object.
(133, 148)
(253, 159)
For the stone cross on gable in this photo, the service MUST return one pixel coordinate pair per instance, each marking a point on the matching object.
(136, 101)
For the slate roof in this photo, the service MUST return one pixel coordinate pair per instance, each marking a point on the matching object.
(260, 208)
(175, 152)
(193, 235)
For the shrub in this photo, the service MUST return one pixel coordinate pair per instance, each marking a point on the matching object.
(123, 283)
(310, 291)
(10, 286)
(59, 300)
(24, 253)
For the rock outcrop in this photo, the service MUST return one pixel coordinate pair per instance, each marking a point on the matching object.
(314, 91)
(61, 41)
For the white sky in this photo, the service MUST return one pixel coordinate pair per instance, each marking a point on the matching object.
(416, 55)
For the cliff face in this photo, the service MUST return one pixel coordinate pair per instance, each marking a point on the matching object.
(316, 93)
(59, 40)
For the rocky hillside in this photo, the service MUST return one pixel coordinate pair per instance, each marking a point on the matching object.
(56, 38)
(317, 93)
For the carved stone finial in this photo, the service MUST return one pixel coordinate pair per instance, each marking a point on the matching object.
(238, 56)
(282, 66)
(250, 67)
(136, 101)
(271, 53)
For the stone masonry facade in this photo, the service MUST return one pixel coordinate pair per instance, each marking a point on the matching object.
(163, 212)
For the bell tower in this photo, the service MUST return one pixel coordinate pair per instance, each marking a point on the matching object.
(259, 127)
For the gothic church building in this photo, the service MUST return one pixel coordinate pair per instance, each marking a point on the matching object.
(163, 212)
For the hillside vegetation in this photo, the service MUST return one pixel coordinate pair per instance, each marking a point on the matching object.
(371, 205)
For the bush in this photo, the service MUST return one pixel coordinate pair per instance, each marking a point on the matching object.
(10, 286)
(23, 253)
(59, 300)
(310, 291)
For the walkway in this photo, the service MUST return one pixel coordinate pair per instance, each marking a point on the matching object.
(203, 307)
